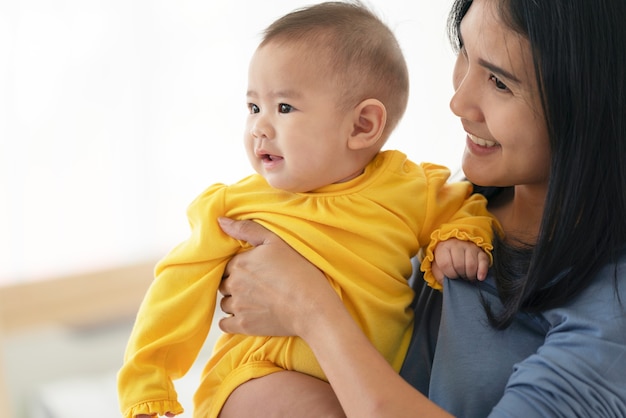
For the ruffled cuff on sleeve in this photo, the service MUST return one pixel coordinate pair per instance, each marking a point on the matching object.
(436, 238)
(155, 408)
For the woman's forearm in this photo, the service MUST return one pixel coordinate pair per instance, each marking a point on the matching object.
(366, 385)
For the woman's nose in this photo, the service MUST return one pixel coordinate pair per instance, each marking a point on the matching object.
(465, 102)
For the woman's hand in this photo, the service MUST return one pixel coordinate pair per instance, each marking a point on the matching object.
(270, 289)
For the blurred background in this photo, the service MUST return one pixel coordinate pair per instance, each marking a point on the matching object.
(114, 115)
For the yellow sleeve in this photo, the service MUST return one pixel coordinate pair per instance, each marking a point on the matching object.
(453, 212)
(176, 313)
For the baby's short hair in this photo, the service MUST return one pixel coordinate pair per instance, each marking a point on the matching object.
(361, 53)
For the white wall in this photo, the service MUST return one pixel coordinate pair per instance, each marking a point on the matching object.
(114, 114)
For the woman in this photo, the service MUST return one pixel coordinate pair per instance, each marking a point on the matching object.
(540, 89)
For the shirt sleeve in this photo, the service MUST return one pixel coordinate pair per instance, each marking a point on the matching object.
(580, 370)
(452, 212)
(176, 313)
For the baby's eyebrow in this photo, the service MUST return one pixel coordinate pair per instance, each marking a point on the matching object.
(287, 93)
(290, 93)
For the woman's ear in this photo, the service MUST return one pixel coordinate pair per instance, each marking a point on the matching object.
(370, 118)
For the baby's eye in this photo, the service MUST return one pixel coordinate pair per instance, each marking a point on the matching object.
(284, 108)
(252, 108)
(499, 84)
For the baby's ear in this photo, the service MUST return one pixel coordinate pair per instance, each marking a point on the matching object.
(370, 117)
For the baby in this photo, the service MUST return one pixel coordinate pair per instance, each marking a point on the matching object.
(327, 85)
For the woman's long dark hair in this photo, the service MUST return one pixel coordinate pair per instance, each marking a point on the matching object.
(579, 52)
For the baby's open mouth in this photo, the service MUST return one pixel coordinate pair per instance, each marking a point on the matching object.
(269, 157)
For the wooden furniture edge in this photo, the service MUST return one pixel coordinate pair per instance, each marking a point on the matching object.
(80, 300)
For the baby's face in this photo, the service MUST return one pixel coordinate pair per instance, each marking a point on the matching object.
(296, 136)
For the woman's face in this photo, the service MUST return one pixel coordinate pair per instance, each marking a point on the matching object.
(497, 98)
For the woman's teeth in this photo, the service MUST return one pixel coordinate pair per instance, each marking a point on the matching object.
(482, 142)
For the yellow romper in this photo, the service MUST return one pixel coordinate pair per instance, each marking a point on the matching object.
(361, 234)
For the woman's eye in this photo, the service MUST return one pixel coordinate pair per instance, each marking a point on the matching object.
(284, 108)
(499, 84)
(252, 108)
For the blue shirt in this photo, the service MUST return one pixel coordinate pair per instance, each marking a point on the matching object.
(566, 362)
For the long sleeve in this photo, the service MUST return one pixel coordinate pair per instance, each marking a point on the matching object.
(176, 313)
(580, 369)
(565, 362)
(452, 211)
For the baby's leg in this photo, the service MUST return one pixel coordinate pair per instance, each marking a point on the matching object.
(283, 394)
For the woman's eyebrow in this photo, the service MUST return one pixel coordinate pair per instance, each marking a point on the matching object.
(498, 70)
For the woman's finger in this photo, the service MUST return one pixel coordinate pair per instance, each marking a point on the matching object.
(246, 230)
(224, 301)
(223, 288)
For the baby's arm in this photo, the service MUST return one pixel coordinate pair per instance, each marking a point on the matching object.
(455, 258)
(454, 212)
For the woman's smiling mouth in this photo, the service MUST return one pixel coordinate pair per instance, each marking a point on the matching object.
(482, 142)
